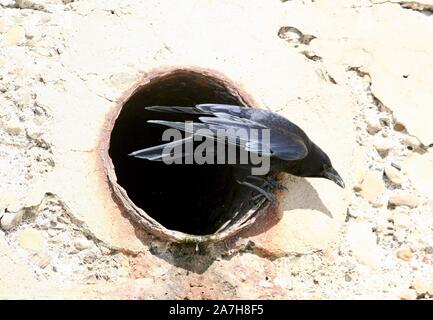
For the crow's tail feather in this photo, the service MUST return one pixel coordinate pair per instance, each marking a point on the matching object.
(175, 109)
(156, 153)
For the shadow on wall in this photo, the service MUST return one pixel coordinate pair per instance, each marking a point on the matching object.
(300, 194)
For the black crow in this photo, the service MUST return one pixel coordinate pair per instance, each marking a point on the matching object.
(288, 147)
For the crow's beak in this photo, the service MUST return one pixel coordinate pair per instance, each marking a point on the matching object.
(333, 175)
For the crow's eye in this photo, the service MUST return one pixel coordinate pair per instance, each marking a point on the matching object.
(326, 166)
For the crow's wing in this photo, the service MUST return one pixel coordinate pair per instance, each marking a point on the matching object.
(246, 134)
(288, 146)
(286, 143)
(220, 133)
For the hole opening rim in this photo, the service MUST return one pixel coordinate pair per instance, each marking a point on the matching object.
(120, 195)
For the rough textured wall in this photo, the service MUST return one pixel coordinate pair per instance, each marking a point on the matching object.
(356, 75)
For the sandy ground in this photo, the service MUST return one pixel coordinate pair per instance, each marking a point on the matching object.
(358, 70)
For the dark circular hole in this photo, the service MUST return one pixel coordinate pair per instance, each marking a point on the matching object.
(194, 199)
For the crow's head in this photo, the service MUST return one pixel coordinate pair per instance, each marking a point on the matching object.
(318, 165)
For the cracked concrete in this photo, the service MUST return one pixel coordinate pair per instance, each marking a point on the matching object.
(329, 66)
(377, 40)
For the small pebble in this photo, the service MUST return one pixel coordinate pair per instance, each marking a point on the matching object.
(411, 141)
(11, 219)
(408, 200)
(402, 220)
(398, 126)
(408, 294)
(383, 145)
(423, 283)
(14, 36)
(82, 244)
(13, 127)
(31, 240)
(363, 244)
(405, 254)
(52, 233)
(373, 122)
(394, 175)
(372, 186)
